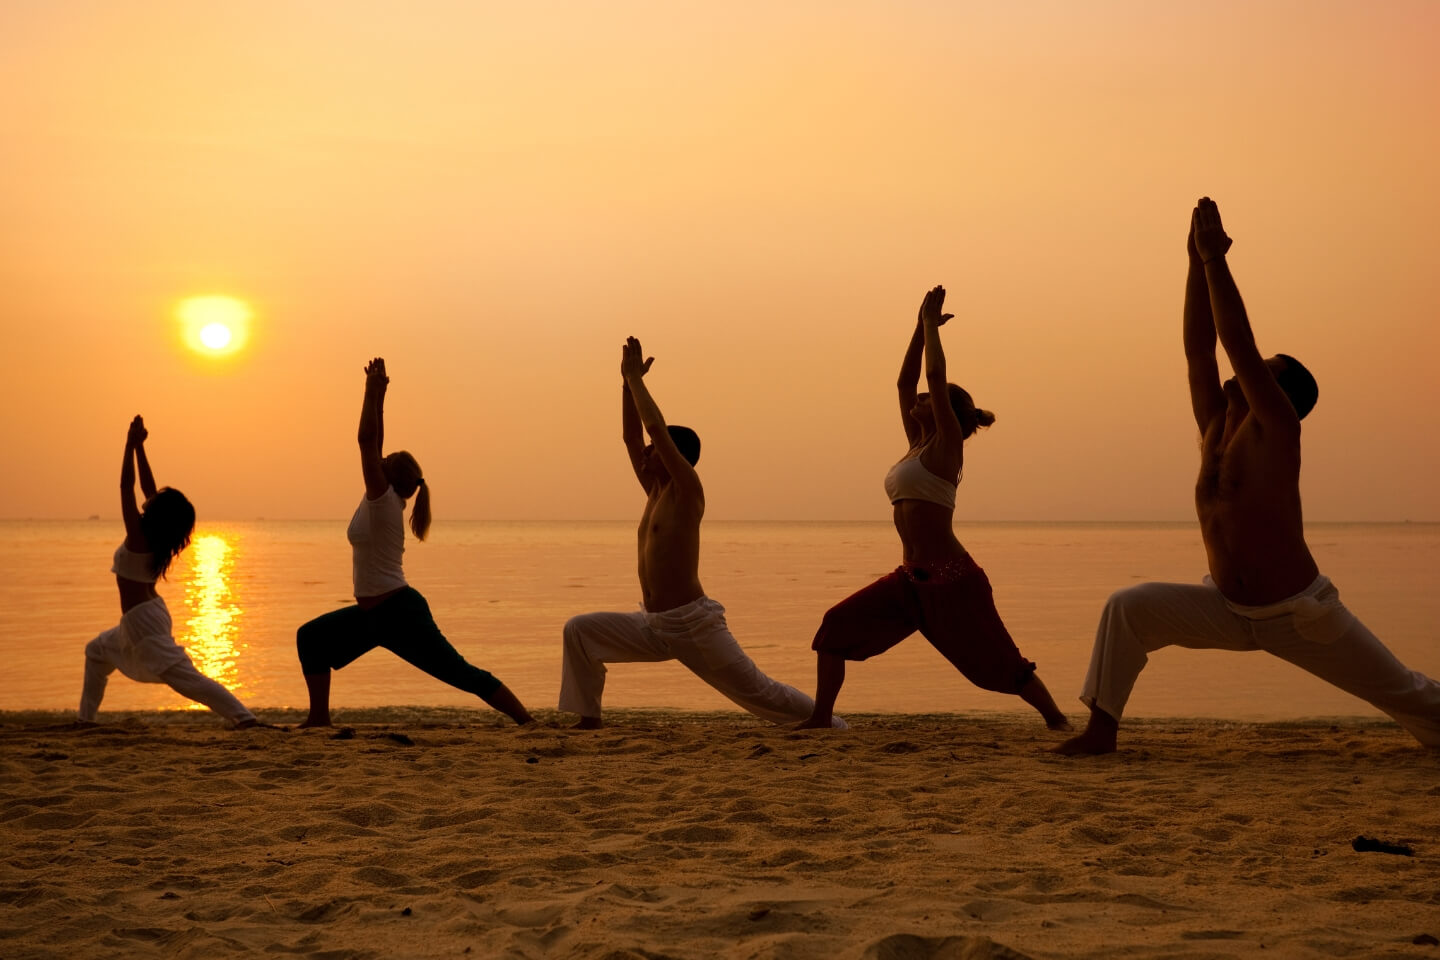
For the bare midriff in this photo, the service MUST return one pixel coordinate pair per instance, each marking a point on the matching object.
(1256, 550)
(133, 593)
(926, 533)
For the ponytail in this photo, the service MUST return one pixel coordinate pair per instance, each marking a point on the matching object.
(420, 512)
(971, 417)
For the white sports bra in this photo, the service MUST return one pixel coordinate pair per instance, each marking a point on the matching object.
(130, 565)
(910, 480)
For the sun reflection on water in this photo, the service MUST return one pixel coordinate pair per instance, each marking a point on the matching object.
(214, 625)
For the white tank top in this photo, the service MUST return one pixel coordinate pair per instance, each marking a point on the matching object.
(377, 542)
(129, 565)
(910, 480)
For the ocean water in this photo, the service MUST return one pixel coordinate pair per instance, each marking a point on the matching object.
(502, 591)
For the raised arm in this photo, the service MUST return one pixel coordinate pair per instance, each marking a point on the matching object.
(147, 479)
(372, 428)
(630, 429)
(1207, 399)
(910, 376)
(1266, 399)
(633, 366)
(947, 425)
(129, 509)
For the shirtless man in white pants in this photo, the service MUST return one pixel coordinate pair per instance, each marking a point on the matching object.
(678, 622)
(1264, 591)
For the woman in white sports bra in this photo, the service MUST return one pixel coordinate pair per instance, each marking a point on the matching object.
(387, 612)
(141, 645)
(937, 589)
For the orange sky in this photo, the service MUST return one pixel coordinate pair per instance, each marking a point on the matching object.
(493, 196)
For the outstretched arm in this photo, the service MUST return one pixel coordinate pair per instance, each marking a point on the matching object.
(630, 429)
(1207, 400)
(1267, 401)
(633, 367)
(129, 509)
(372, 428)
(946, 423)
(147, 479)
(909, 378)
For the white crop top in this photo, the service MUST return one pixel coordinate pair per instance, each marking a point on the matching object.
(377, 542)
(910, 480)
(129, 565)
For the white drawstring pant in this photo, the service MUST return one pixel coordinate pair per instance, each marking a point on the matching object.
(142, 648)
(695, 634)
(1312, 630)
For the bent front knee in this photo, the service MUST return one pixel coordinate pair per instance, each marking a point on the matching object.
(310, 646)
(1140, 596)
(574, 632)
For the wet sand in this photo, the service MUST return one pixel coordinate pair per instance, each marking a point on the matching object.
(442, 833)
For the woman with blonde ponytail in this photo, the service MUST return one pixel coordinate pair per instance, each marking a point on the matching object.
(387, 612)
(938, 589)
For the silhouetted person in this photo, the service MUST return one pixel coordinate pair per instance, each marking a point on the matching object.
(387, 612)
(142, 646)
(938, 589)
(678, 621)
(1264, 591)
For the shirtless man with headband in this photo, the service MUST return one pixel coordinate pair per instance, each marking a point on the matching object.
(1264, 591)
(677, 621)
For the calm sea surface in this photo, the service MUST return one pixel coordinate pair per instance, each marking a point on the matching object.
(501, 592)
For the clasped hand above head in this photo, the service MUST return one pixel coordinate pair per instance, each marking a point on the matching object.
(633, 362)
(931, 306)
(1207, 235)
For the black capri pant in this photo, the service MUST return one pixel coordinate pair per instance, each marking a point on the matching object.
(401, 624)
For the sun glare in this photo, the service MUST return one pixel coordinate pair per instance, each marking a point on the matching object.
(214, 325)
(216, 336)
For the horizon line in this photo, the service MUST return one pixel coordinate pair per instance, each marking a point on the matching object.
(100, 518)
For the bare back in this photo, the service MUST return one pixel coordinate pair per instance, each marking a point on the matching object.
(133, 593)
(1248, 500)
(669, 546)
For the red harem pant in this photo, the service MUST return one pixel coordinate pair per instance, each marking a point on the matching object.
(952, 606)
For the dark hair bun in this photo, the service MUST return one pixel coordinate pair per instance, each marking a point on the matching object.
(983, 418)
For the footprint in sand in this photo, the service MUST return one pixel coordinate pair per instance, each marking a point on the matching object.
(906, 946)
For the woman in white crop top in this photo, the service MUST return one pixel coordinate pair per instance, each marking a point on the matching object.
(387, 611)
(938, 589)
(141, 645)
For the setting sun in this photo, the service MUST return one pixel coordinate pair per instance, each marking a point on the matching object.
(216, 336)
(214, 325)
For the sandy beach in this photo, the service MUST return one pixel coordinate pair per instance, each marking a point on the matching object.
(441, 833)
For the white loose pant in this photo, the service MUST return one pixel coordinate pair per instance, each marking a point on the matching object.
(142, 648)
(1312, 630)
(695, 634)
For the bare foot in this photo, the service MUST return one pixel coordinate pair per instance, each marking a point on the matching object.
(587, 723)
(1090, 742)
(814, 723)
(308, 722)
(1060, 724)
